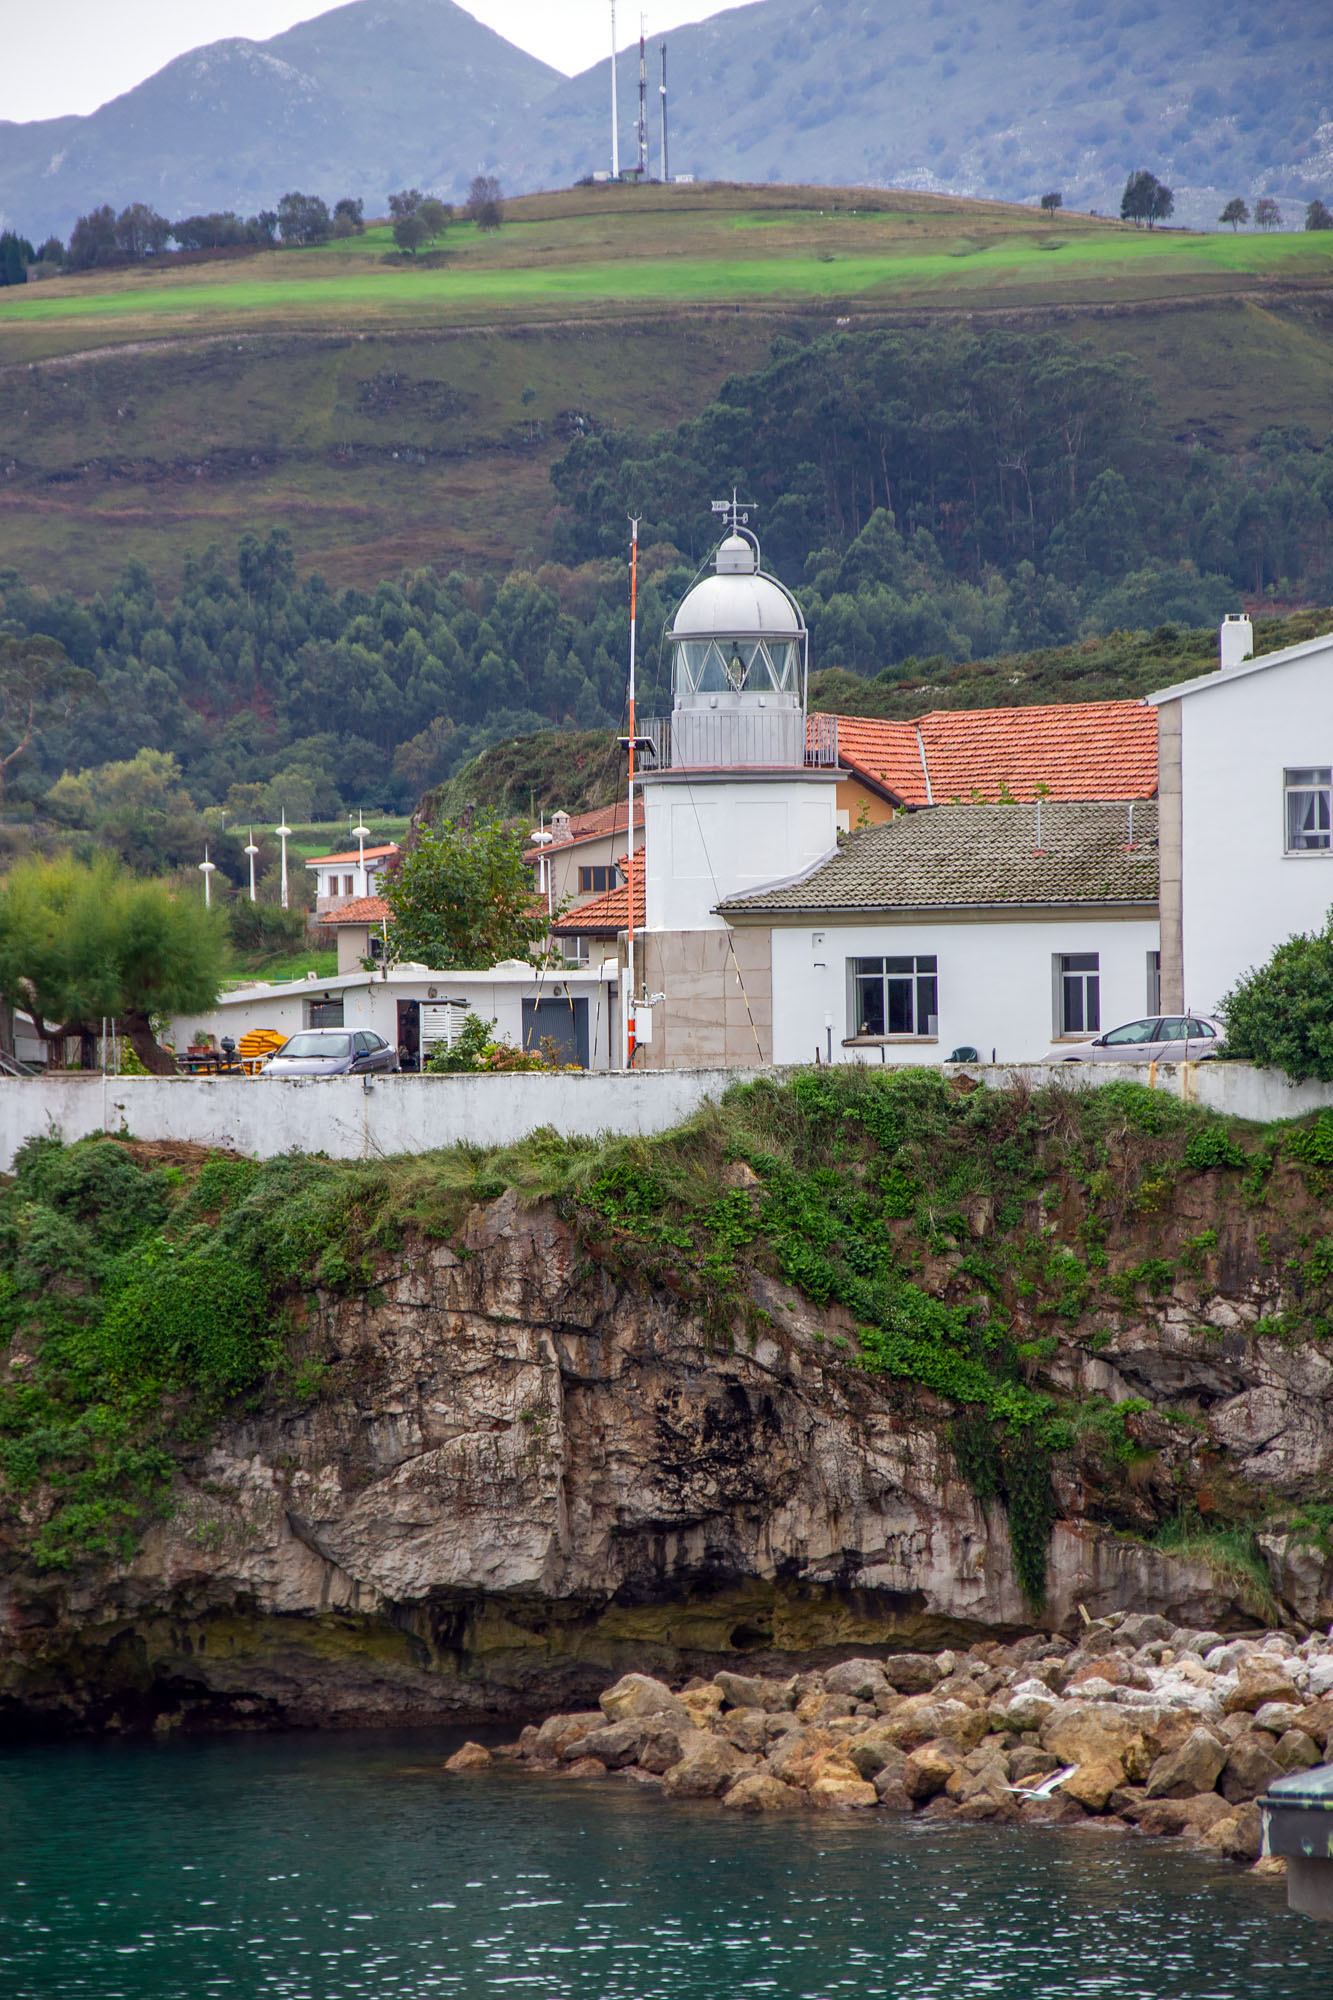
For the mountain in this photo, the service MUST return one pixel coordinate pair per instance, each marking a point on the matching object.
(370, 97)
(1005, 98)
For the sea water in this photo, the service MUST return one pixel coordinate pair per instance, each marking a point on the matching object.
(350, 1867)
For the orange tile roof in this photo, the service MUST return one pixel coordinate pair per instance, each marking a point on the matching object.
(590, 826)
(1086, 750)
(607, 914)
(372, 854)
(361, 910)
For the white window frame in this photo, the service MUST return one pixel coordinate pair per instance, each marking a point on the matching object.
(1064, 969)
(919, 972)
(1312, 783)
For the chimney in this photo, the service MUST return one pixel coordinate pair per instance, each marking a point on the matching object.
(1237, 640)
(559, 826)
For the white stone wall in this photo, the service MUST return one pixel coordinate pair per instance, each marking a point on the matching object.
(369, 1117)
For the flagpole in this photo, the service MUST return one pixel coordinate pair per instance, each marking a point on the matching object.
(630, 856)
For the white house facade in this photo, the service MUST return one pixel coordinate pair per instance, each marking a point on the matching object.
(1246, 757)
(341, 878)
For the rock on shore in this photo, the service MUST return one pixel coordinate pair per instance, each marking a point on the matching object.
(1168, 1730)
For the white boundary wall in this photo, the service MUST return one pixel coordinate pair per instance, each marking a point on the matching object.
(359, 1118)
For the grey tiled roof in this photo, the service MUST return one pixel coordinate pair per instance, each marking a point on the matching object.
(978, 857)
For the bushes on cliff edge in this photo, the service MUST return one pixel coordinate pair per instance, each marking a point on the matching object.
(1281, 1015)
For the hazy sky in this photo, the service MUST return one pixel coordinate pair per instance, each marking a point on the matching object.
(72, 55)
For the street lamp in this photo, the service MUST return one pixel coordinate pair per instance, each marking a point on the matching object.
(362, 832)
(283, 832)
(252, 850)
(207, 869)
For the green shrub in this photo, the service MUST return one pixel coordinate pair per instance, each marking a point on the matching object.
(1281, 1015)
(192, 1318)
(1210, 1147)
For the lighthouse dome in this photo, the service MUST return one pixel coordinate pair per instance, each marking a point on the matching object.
(738, 600)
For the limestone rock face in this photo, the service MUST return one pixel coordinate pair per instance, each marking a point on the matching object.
(538, 1473)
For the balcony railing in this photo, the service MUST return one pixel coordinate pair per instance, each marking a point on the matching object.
(695, 739)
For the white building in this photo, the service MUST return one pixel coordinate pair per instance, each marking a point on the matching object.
(995, 928)
(1246, 758)
(412, 1008)
(339, 878)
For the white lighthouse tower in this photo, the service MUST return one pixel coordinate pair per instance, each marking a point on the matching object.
(739, 790)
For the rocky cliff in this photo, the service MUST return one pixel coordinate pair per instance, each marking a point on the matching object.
(527, 1452)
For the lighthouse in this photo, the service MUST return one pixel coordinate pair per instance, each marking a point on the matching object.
(739, 791)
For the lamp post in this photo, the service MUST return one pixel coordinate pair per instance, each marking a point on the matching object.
(282, 832)
(207, 869)
(252, 850)
(362, 831)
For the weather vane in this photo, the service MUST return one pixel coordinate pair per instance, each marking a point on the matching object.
(734, 507)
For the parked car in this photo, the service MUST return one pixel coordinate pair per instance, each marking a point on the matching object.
(331, 1052)
(1157, 1038)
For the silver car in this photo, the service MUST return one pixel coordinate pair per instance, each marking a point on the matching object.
(331, 1052)
(1169, 1038)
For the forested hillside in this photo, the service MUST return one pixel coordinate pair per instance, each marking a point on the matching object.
(948, 496)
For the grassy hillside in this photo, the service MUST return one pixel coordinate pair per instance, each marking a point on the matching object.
(389, 414)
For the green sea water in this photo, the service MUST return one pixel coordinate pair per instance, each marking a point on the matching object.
(351, 1868)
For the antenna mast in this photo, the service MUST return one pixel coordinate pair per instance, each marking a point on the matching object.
(615, 108)
(666, 176)
(643, 106)
(627, 1006)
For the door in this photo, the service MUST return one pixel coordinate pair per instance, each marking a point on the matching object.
(409, 1034)
(563, 1022)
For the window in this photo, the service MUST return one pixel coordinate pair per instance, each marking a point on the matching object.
(894, 996)
(324, 1014)
(1134, 1033)
(596, 881)
(1080, 1002)
(349, 885)
(1154, 981)
(1309, 810)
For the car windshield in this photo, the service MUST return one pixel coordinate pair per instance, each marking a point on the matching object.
(306, 1046)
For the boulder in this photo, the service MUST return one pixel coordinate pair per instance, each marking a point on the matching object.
(1028, 1765)
(1257, 1685)
(1250, 1768)
(892, 1793)
(749, 1691)
(819, 1708)
(585, 1767)
(1193, 1768)
(1106, 1734)
(1026, 1706)
(558, 1730)
(851, 1794)
(913, 1673)
(747, 1729)
(1167, 1818)
(1142, 1626)
(861, 1679)
(1316, 1719)
(1321, 1676)
(638, 1694)
(927, 1771)
(1278, 1716)
(758, 1792)
(921, 1718)
(1296, 1752)
(472, 1757)
(616, 1744)
(527, 1739)
(1238, 1837)
(988, 1778)
(792, 1755)
(873, 1751)
(708, 1765)
(1093, 1783)
(702, 1703)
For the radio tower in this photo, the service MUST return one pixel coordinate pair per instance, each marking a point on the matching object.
(615, 109)
(666, 176)
(643, 107)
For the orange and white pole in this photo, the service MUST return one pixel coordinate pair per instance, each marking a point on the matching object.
(628, 1008)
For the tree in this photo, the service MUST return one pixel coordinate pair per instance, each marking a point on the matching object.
(485, 204)
(349, 216)
(50, 252)
(82, 943)
(1318, 217)
(409, 232)
(462, 897)
(1050, 202)
(93, 240)
(1235, 213)
(40, 687)
(406, 202)
(141, 232)
(136, 808)
(1145, 199)
(16, 253)
(219, 230)
(437, 215)
(1281, 1015)
(1267, 214)
(303, 219)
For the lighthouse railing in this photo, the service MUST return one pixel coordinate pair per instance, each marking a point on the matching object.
(725, 740)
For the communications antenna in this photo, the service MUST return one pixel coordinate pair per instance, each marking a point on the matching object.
(643, 106)
(615, 108)
(666, 175)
